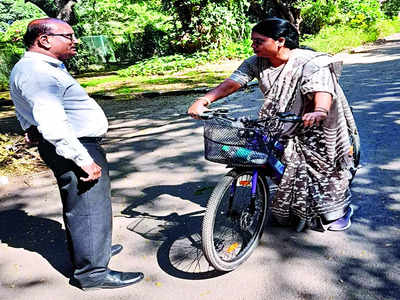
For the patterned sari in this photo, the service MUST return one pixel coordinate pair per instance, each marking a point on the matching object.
(315, 185)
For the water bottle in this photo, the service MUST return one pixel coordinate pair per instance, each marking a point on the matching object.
(252, 156)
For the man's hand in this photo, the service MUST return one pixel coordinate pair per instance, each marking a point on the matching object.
(313, 118)
(93, 170)
(32, 136)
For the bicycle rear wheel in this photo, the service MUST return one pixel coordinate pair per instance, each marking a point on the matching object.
(234, 220)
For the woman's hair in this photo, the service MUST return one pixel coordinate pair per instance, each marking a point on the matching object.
(36, 28)
(275, 28)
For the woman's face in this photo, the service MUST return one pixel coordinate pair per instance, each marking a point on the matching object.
(264, 46)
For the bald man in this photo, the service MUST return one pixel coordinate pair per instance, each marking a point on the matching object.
(68, 126)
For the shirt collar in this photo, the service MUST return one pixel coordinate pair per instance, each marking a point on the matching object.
(46, 58)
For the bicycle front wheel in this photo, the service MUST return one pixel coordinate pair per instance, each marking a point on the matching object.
(234, 220)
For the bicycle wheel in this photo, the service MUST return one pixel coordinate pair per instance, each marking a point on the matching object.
(233, 221)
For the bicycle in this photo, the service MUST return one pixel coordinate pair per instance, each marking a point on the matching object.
(238, 206)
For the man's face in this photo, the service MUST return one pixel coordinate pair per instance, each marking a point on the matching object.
(62, 41)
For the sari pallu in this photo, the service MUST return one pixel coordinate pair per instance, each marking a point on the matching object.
(315, 185)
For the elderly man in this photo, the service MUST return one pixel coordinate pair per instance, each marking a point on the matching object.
(69, 126)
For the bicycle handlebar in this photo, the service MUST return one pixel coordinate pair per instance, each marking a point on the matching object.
(223, 113)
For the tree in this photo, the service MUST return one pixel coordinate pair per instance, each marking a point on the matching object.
(285, 9)
(201, 23)
(11, 11)
(61, 9)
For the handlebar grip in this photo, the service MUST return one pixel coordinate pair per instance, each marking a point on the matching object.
(206, 115)
(209, 114)
(285, 114)
(292, 119)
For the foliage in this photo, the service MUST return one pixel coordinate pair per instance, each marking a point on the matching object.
(11, 49)
(355, 13)
(179, 62)
(360, 13)
(316, 14)
(136, 28)
(202, 23)
(13, 10)
(333, 39)
(9, 55)
(84, 61)
(391, 8)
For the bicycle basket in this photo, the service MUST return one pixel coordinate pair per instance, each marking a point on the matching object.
(234, 146)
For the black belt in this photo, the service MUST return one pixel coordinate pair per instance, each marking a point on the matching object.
(90, 139)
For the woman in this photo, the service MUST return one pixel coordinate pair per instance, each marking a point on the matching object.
(314, 189)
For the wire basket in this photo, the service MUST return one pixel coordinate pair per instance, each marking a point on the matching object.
(233, 145)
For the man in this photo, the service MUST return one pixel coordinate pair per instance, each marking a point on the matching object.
(69, 126)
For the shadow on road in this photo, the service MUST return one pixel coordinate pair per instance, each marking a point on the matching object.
(36, 234)
(373, 91)
(370, 257)
(180, 254)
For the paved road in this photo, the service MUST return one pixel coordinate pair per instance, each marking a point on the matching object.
(161, 183)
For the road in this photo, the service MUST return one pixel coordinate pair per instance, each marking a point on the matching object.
(161, 184)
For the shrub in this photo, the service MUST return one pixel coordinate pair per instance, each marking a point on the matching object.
(316, 14)
(391, 8)
(10, 53)
(360, 13)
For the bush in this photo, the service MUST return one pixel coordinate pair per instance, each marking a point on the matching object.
(205, 24)
(391, 8)
(356, 13)
(136, 29)
(10, 53)
(360, 13)
(316, 14)
(179, 62)
(11, 49)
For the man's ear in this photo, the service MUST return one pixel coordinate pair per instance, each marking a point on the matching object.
(43, 42)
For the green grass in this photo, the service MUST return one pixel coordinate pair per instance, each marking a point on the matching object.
(184, 72)
(201, 76)
(99, 80)
(335, 39)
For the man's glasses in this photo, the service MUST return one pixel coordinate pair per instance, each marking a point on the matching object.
(69, 36)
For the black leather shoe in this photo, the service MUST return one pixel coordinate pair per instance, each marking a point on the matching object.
(115, 279)
(115, 249)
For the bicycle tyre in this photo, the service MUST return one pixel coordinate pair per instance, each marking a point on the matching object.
(216, 212)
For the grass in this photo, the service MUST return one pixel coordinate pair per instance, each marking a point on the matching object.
(335, 39)
(208, 75)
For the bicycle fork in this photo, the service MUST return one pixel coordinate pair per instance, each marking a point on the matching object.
(253, 196)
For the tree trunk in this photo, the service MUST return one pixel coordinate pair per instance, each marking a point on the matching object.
(289, 12)
(61, 9)
(283, 9)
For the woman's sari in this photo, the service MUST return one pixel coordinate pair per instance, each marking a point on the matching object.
(315, 185)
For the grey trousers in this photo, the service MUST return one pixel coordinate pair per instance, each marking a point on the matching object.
(87, 212)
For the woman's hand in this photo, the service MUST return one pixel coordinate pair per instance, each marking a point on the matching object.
(198, 107)
(314, 118)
